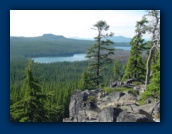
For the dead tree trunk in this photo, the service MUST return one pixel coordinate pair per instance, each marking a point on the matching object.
(148, 65)
(155, 40)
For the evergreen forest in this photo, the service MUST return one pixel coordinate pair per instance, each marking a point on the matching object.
(41, 92)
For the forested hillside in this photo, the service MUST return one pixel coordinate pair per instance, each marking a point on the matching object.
(41, 92)
(49, 45)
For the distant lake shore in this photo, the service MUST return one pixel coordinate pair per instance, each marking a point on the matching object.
(75, 57)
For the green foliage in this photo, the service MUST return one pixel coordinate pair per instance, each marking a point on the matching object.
(153, 89)
(47, 46)
(55, 114)
(92, 98)
(136, 83)
(85, 82)
(133, 92)
(99, 53)
(135, 66)
(118, 70)
(57, 80)
(32, 107)
(108, 90)
(122, 89)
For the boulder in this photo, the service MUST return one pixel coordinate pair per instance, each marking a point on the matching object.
(127, 99)
(139, 88)
(91, 106)
(109, 114)
(116, 84)
(130, 117)
(149, 108)
(145, 113)
(76, 103)
(110, 100)
(115, 96)
(156, 111)
(67, 120)
(153, 109)
(129, 81)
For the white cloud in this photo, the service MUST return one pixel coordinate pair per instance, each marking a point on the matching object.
(72, 23)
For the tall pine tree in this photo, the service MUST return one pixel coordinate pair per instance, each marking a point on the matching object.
(135, 66)
(99, 52)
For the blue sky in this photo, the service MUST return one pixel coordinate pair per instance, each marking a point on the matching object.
(72, 23)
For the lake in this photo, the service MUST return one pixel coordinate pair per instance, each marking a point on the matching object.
(123, 48)
(75, 57)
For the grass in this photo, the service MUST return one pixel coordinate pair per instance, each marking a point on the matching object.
(121, 89)
(108, 90)
(137, 83)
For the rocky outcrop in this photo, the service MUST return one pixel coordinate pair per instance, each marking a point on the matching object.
(139, 88)
(109, 114)
(131, 117)
(98, 106)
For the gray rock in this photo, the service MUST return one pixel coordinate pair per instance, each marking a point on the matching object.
(91, 106)
(116, 84)
(76, 102)
(67, 120)
(156, 111)
(115, 96)
(149, 108)
(129, 81)
(109, 114)
(130, 117)
(139, 88)
(104, 109)
(145, 113)
(127, 99)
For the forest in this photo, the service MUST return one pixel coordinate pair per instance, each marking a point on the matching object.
(50, 45)
(41, 92)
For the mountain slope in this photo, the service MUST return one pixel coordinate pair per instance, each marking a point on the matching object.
(49, 45)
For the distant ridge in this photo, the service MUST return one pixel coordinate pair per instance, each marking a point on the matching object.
(114, 38)
(120, 39)
(51, 45)
(54, 37)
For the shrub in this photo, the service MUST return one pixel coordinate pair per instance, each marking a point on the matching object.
(92, 98)
(133, 92)
(108, 90)
(136, 83)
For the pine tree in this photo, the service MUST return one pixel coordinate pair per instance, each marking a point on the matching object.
(99, 52)
(85, 82)
(31, 107)
(118, 70)
(135, 65)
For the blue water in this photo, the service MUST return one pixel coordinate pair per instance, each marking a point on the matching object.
(75, 57)
(123, 48)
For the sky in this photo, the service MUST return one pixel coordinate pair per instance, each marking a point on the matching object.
(73, 23)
